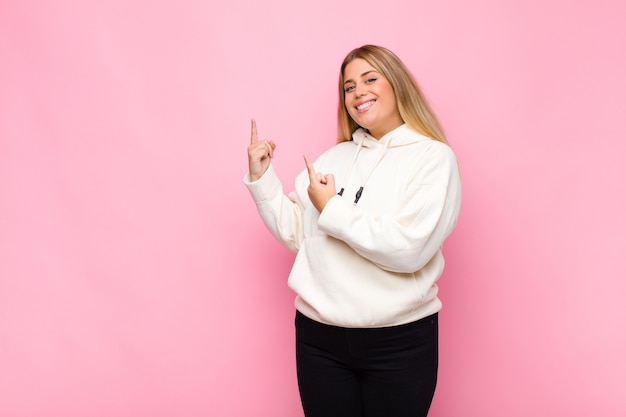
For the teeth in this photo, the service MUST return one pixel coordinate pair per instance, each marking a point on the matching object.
(365, 105)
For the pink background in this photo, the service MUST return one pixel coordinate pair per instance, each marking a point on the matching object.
(136, 278)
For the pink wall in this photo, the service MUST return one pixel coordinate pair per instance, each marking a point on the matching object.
(136, 278)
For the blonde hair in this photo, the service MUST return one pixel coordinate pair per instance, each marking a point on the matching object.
(412, 105)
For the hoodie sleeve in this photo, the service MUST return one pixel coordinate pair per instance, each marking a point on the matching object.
(281, 214)
(405, 241)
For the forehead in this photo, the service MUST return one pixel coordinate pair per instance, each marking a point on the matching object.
(356, 68)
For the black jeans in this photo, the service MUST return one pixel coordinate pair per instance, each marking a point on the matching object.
(380, 372)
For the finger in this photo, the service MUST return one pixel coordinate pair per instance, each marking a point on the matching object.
(269, 148)
(272, 147)
(258, 151)
(254, 137)
(261, 150)
(310, 169)
(268, 145)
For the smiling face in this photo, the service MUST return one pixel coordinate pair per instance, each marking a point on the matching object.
(370, 99)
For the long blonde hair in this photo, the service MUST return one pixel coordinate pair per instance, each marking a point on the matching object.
(412, 105)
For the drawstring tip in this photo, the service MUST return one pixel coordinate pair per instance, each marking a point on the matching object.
(358, 195)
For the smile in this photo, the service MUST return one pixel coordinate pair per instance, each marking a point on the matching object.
(366, 105)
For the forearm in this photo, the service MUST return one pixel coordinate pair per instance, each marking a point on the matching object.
(281, 214)
(404, 242)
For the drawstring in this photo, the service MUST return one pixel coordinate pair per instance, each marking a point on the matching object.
(347, 176)
(358, 194)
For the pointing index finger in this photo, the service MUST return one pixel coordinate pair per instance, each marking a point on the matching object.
(310, 169)
(253, 134)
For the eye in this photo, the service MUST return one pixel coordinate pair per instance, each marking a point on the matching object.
(371, 80)
(348, 88)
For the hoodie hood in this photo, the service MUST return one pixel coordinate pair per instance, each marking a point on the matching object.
(400, 136)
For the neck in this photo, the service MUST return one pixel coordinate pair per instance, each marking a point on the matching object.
(379, 133)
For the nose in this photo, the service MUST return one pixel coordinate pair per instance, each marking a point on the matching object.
(359, 90)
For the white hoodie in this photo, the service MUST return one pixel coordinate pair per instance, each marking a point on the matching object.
(374, 263)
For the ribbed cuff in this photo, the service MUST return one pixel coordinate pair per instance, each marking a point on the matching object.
(265, 187)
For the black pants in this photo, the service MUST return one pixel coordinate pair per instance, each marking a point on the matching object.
(381, 372)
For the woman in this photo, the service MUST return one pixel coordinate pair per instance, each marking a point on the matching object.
(368, 247)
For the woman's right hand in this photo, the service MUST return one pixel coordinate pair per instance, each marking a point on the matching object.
(259, 154)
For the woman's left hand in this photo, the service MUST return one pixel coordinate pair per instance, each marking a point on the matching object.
(321, 187)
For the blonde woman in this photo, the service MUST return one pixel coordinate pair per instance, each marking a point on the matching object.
(368, 220)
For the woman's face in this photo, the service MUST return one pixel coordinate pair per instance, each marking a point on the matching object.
(369, 98)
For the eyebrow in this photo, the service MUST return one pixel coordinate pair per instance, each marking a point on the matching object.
(362, 75)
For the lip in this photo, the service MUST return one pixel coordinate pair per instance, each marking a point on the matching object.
(366, 108)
